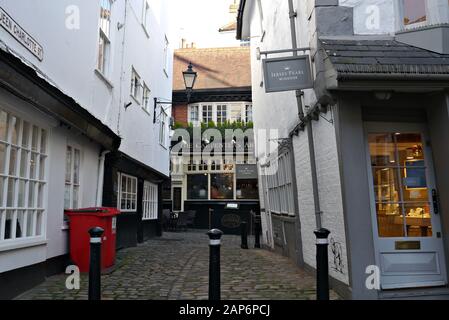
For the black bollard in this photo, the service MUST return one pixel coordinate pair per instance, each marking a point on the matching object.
(322, 264)
(244, 233)
(95, 263)
(214, 264)
(257, 232)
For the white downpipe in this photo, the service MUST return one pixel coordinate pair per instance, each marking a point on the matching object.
(100, 182)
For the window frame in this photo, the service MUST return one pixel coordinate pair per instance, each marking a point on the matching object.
(163, 120)
(150, 201)
(35, 187)
(146, 94)
(105, 38)
(190, 110)
(120, 195)
(135, 94)
(412, 25)
(71, 183)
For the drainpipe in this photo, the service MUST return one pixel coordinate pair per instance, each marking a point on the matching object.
(299, 95)
(100, 182)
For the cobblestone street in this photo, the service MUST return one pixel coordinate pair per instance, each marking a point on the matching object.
(176, 267)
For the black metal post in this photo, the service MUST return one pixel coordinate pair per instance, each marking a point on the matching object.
(214, 264)
(257, 232)
(244, 234)
(95, 263)
(322, 264)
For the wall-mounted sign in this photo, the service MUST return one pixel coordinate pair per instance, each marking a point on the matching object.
(246, 171)
(21, 35)
(288, 73)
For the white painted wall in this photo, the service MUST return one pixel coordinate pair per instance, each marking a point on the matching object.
(70, 58)
(384, 16)
(279, 111)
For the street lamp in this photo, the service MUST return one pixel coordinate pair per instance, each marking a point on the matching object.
(189, 80)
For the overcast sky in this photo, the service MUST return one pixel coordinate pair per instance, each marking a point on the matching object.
(198, 20)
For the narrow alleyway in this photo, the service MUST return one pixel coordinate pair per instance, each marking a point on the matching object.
(176, 267)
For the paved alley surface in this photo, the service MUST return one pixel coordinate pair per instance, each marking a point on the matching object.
(176, 267)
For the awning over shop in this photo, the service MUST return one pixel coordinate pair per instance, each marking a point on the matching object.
(381, 64)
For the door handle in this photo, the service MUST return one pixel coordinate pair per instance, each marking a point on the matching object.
(436, 201)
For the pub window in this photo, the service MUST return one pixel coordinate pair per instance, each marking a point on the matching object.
(197, 186)
(23, 178)
(194, 115)
(247, 189)
(207, 114)
(127, 197)
(249, 113)
(222, 114)
(414, 12)
(222, 186)
(236, 113)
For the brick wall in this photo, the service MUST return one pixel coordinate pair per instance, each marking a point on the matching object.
(180, 113)
(329, 185)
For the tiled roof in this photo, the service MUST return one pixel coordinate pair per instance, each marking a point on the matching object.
(383, 57)
(217, 67)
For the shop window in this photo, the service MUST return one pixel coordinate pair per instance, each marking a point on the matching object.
(247, 189)
(127, 197)
(149, 201)
(414, 12)
(222, 186)
(197, 187)
(400, 185)
(23, 164)
(72, 178)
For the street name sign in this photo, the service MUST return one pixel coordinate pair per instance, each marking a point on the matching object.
(287, 73)
(21, 35)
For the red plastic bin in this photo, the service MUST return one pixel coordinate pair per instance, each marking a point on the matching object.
(81, 221)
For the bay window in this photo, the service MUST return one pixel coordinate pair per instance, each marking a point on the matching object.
(23, 161)
(222, 186)
(197, 187)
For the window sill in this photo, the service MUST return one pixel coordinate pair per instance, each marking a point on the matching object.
(20, 244)
(104, 79)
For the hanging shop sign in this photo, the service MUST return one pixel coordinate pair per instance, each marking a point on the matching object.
(21, 35)
(287, 73)
(246, 171)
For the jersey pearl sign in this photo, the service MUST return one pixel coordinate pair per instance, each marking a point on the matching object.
(288, 73)
(21, 35)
